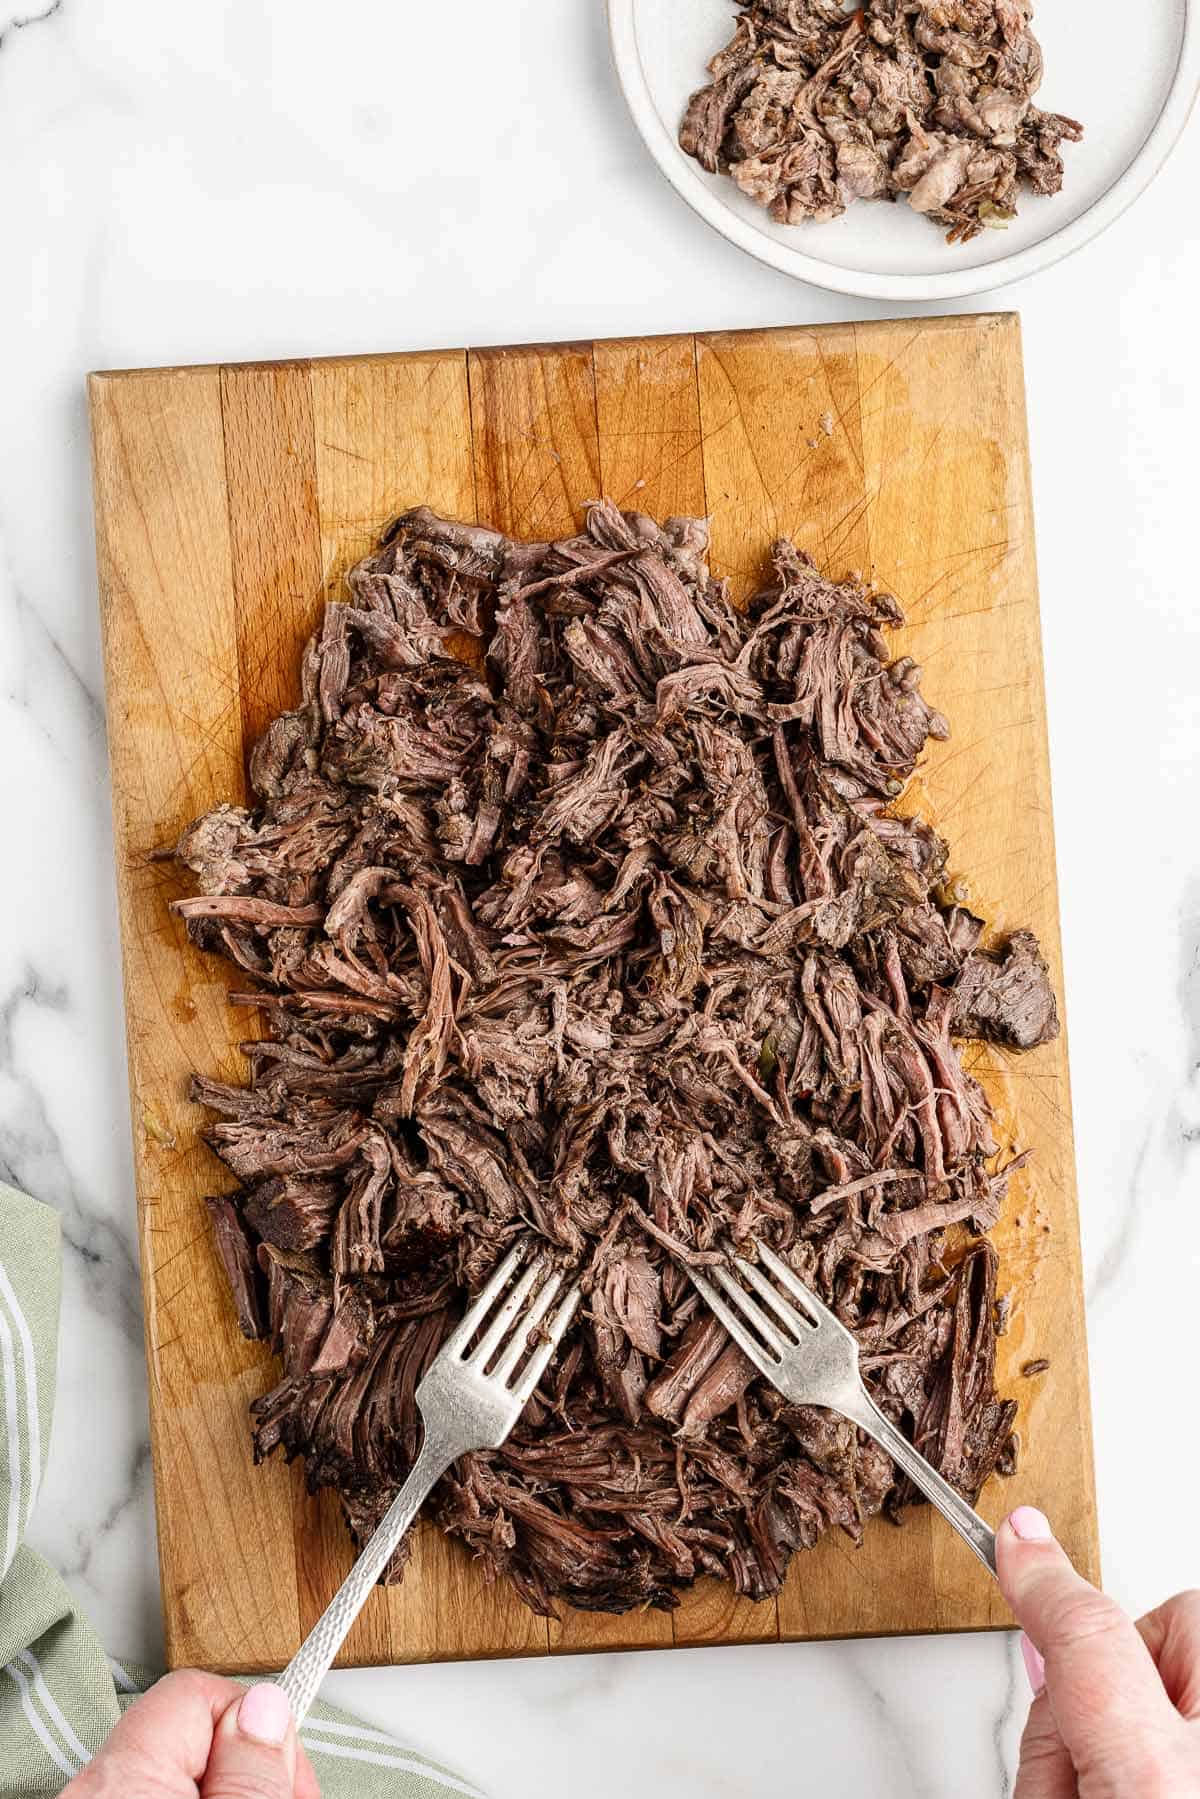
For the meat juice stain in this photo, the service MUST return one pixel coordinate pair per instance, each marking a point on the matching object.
(157, 1130)
(1023, 1239)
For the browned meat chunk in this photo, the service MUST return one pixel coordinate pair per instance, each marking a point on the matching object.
(1007, 997)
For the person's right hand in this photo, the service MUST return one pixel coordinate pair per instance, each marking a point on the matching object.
(195, 1736)
(1116, 1710)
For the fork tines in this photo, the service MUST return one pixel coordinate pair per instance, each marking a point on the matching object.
(766, 1339)
(495, 1346)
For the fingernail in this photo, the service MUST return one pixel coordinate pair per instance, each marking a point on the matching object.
(1035, 1667)
(1031, 1525)
(265, 1714)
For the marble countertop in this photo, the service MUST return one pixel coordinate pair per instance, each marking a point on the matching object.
(263, 178)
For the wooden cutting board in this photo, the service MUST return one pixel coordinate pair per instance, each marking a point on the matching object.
(229, 503)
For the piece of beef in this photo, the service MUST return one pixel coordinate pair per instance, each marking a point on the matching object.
(237, 1258)
(574, 906)
(703, 1345)
(290, 1212)
(1007, 997)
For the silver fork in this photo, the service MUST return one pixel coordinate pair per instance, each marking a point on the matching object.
(808, 1353)
(466, 1403)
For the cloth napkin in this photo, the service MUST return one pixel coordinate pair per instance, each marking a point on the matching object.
(60, 1694)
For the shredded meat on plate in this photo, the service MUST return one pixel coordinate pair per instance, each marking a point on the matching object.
(574, 904)
(929, 101)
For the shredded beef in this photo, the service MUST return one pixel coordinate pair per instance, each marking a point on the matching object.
(929, 101)
(573, 905)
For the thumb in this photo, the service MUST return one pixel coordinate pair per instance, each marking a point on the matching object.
(1103, 1687)
(253, 1753)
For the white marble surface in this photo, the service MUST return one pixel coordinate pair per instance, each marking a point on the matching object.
(257, 178)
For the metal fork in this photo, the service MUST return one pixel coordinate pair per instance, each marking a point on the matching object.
(810, 1356)
(466, 1403)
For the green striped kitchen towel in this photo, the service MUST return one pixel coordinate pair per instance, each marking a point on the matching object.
(60, 1695)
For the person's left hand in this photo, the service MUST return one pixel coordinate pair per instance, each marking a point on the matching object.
(195, 1736)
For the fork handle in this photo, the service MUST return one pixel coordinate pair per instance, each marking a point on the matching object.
(314, 1658)
(953, 1507)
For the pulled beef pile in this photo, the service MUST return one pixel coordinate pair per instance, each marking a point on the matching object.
(930, 101)
(574, 905)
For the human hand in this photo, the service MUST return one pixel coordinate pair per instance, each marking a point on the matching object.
(1116, 1711)
(195, 1736)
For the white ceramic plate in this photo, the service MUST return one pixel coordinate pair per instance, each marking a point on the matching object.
(1133, 88)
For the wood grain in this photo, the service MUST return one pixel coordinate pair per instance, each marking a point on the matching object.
(229, 503)
(533, 417)
(271, 482)
(390, 432)
(648, 425)
(175, 724)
